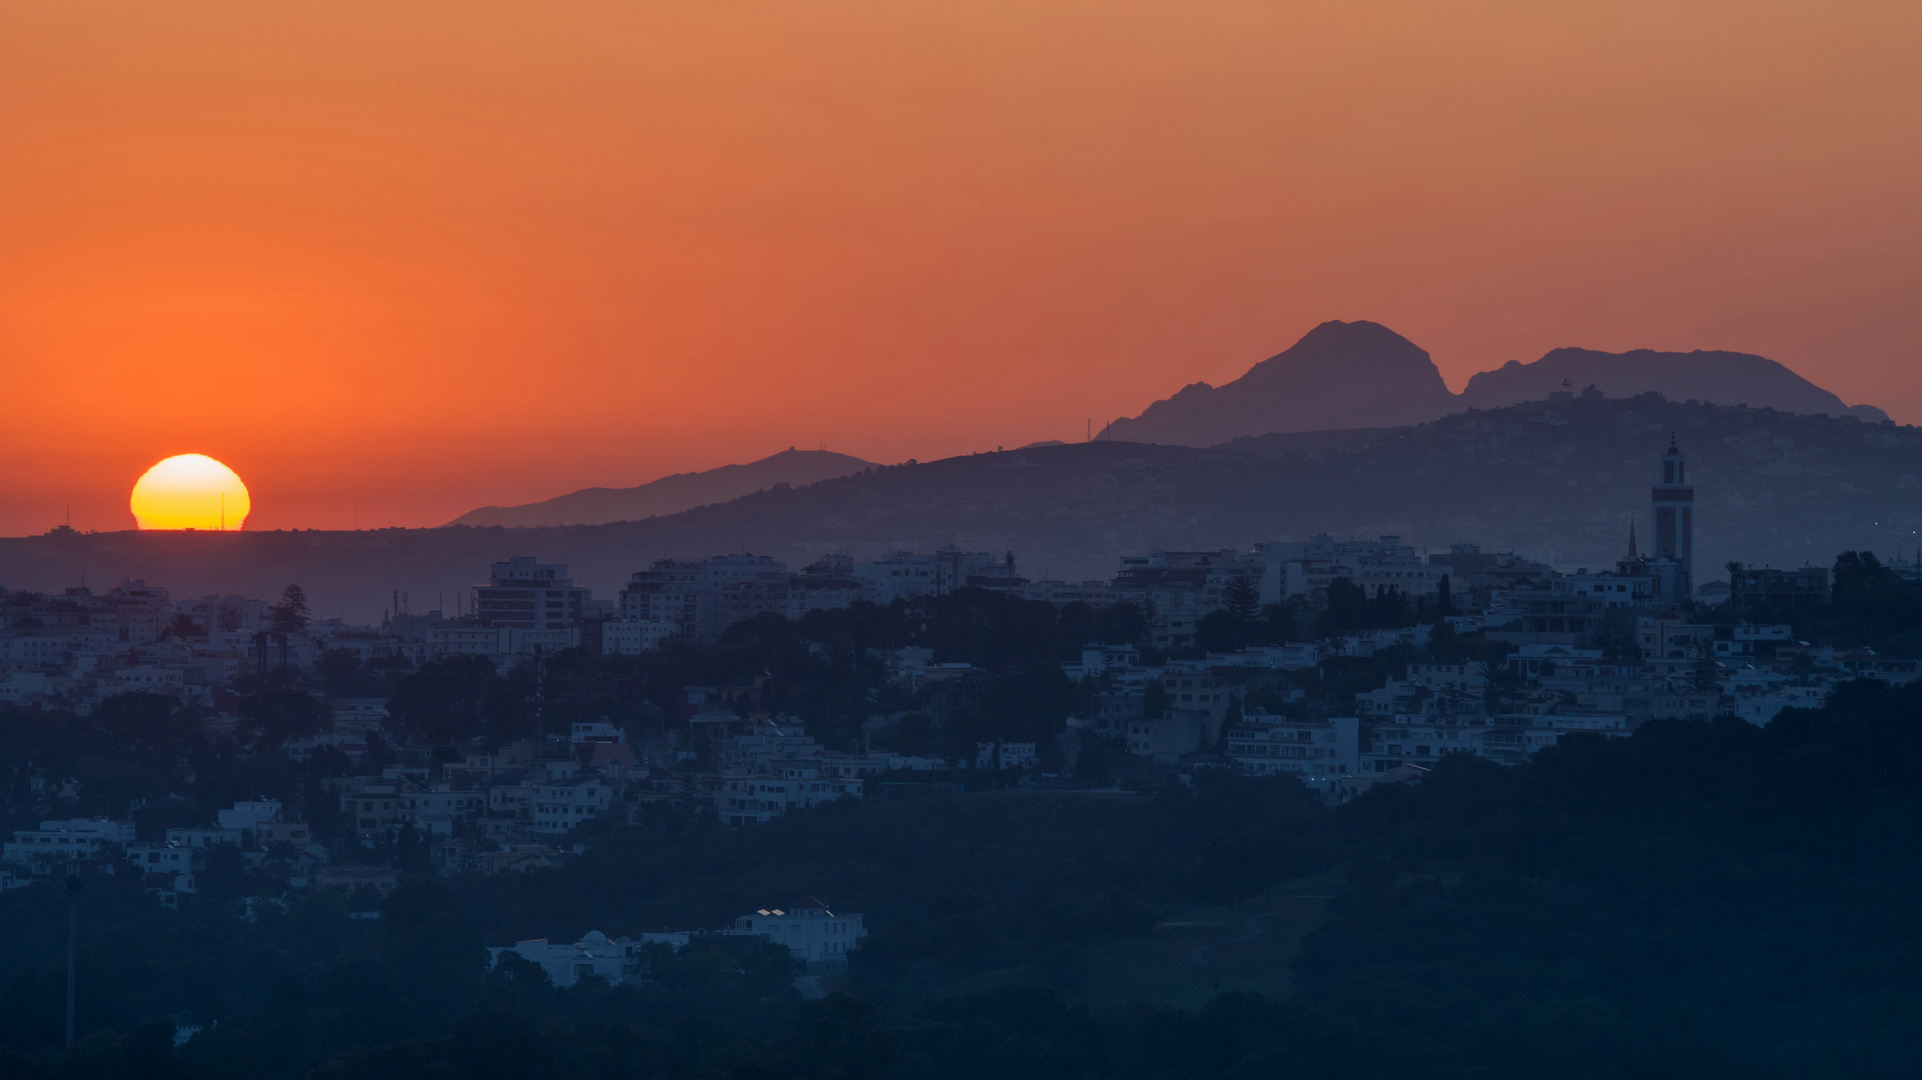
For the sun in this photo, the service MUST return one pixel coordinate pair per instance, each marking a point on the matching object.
(190, 491)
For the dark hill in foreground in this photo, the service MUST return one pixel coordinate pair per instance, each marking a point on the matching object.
(1773, 487)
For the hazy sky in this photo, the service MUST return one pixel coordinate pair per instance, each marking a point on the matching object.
(414, 257)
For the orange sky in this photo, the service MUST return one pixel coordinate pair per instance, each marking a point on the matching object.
(414, 257)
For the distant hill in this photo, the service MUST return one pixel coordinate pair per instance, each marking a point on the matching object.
(1364, 375)
(1339, 375)
(1312, 443)
(1772, 487)
(671, 494)
(1729, 378)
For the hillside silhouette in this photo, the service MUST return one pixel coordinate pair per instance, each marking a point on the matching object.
(1363, 375)
(1773, 487)
(1339, 375)
(1726, 377)
(671, 494)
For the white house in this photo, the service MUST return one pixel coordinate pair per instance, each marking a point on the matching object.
(810, 931)
(612, 959)
(1318, 751)
(755, 797)
(161, 858)
(560, 807)
(201, 838)
(586, 733)
(632, 637)
(248, 816)
(153, 680)
(1005, 755)
(79, 838)
(435, 812)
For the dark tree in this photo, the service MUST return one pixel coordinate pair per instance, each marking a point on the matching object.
(1220, 632)
(1348, 608)
(455, 698)
(147, 721)
(291, 615)
(1121, 623)
(277, 714)
(1241, 599)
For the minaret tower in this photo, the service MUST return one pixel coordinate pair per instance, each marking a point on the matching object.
(1672, 506)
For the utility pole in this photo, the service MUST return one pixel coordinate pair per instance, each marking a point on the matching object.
(73, 919)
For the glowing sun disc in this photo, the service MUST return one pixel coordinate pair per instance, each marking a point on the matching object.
(190, 491)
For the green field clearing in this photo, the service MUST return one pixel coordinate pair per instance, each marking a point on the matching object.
(1195, 955)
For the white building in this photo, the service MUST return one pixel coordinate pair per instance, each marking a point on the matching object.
(1177, 589)
(589, 732)
(79, 838)
(595, 954)
(1166, 739)
(25, 687)
(632, 637)
(526, 594)
(556, 808)
(498, 642)
(904, 575)
(201, 838)
(1759, 709)
(1005, 755)
(1745, 637)
(1098, 658)
(1307, 567)
(161, 858)
(810, 931)
(147, 679)
(755, 797)
(435, 812)
(248, 816)
(1319, 751)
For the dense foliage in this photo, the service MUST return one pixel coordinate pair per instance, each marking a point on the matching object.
(1697, 900)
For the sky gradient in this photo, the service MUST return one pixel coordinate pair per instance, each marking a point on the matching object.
(392, 261)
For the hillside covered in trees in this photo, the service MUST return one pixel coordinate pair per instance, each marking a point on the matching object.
(1698, 899)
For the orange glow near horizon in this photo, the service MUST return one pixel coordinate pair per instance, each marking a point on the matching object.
(190, 491)
(401, 259)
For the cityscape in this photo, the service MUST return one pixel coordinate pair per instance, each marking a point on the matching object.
(752, 541)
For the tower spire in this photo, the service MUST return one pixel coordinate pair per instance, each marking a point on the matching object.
(1631, 538)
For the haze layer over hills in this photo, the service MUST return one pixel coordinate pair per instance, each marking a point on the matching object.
(671, 494)
(1362, 374)
(1772, 487)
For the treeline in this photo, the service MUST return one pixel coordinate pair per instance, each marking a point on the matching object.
(1869, 605)
(1013, 1032)
(821, 668)
(952, 885)
(1697, 900)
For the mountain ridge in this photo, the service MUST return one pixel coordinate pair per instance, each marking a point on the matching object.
(1361, 375)
(670, 494)
(1306, 387)
(1772, 487)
